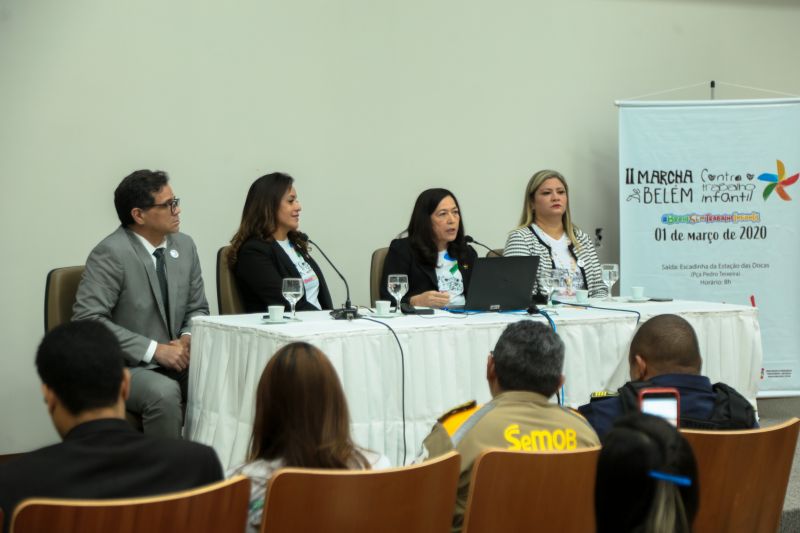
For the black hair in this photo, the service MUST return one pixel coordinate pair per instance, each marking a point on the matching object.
(420, 228)
(260, 213)
(82, 362)
(138, 189)
(529, 356)
(628, 496)
(669, 344)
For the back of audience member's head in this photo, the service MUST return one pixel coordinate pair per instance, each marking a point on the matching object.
(301, 412)
(646, 478)
(529, 356)
(83, 364)
(668, 344)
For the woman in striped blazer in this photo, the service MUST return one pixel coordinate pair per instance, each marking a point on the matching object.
(546, 229)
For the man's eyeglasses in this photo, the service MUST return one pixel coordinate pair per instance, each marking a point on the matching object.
(172, 204)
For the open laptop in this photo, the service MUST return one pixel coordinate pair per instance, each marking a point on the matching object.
(500, 284)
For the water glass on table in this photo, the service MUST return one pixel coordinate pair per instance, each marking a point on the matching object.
(292, 291)
(397, 286)
(610, 273)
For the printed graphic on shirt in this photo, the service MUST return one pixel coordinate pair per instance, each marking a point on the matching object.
(539, 440)
(448, 277)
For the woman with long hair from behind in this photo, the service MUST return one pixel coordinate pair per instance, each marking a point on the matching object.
(646, 478)
(301, 420)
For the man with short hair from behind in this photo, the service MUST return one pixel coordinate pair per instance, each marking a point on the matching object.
(85, 385)
(665, 352)
(524, 371)
(144, 282)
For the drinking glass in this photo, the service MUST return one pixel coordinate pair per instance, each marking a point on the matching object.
(292, 291)
(610, 272)
(577, 282)
(549, 284)
(398, 287)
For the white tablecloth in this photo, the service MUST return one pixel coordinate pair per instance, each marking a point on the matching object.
(445, 365)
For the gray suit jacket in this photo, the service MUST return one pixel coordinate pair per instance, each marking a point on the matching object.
(120, 289)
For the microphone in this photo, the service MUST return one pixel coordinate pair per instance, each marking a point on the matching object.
(347, 312)
(468, 239)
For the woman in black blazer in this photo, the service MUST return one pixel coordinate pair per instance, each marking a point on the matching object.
(434, 256)
(268, 248)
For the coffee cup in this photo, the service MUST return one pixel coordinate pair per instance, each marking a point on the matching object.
(383, 307)
(275, 313)
(637, 293)
(582, 296)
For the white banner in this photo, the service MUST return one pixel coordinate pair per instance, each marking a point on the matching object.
(710, 210)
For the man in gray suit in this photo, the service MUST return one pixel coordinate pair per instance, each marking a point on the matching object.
(144, 282)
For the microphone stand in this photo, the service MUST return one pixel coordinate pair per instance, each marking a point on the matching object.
(468, 239)
(347, 312)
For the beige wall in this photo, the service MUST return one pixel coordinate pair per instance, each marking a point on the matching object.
(365, 102)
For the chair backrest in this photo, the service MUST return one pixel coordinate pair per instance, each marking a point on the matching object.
(524, 491)
(496, 252)
(59, 295)
(376, 274)
(229, 301)
(419, 498)
(743, 476)
(218, 507)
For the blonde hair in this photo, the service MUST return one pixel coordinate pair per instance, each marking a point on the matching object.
(528, 214)
(667, 513)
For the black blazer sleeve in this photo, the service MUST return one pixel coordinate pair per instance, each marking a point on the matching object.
(260, 269)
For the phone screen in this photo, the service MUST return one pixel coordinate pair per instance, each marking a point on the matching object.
(662, 405)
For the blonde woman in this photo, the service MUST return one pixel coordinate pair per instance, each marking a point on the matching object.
(546, 230)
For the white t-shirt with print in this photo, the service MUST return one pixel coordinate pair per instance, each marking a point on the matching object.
(449, 279)
(562, 257)
(310, 279)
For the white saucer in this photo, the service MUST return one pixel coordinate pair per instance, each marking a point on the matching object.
(281, 321)
(390, 315)
(639, 300)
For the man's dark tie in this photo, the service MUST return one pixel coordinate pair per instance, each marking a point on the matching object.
(161, 270)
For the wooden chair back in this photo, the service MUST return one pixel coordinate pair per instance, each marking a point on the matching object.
(376, 274)
(220, 507)
(418, 498)
(743, 476)
(229, 302)
(59, 295)
(522, 491)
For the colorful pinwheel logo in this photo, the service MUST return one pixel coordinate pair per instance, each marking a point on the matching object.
(778, 182)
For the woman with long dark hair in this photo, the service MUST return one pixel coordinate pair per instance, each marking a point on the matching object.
(434, 256)
(301, 420)
(646, 478)
(268, 247)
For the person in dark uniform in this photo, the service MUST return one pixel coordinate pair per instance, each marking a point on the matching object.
(85, 384)
(524, 372)
(664, 352)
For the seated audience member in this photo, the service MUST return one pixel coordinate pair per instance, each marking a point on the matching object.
(85, 385)
(301, 420)
(546, 230)
(523, 372)
(144, 282)
(646, 478)
(664, 352)
(434, 256)
(268, 247)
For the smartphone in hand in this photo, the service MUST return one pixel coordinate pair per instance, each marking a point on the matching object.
(664, 402)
